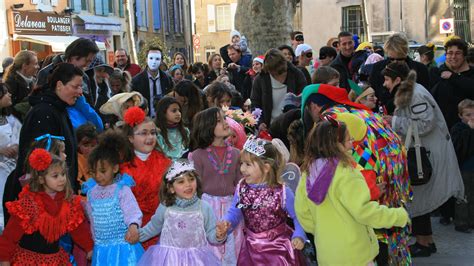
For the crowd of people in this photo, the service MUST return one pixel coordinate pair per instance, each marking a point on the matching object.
(283, 158)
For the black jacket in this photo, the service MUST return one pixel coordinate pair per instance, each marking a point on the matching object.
(463, 141)
(449, 92)
(376, 78)
(141, 83)
(48, 115)
(261, 95)
(343, 68)
(19, 90)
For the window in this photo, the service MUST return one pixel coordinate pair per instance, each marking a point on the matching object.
(104, 7)
(223, 17)
(83, 4)
(352, 21)
(141, 13)
(461, 19)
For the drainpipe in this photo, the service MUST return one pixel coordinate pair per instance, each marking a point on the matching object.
(387, 9)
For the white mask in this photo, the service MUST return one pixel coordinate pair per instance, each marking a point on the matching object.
(154, 60)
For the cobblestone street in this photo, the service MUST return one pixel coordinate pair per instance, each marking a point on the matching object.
(454, 248)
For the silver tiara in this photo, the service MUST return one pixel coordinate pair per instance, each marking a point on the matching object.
(178, 167)
(255, 146)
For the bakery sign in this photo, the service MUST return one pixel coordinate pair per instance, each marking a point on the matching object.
(39, 23)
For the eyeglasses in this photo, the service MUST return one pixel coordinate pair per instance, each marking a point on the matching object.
(397, 59)
(146, 133)
(309, 55)
(452, 54)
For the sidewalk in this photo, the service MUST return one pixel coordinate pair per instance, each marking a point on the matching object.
(454, 248)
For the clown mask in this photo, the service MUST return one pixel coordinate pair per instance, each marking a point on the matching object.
(154, 60)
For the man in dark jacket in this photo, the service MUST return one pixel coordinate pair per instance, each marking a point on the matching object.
(80, 53)
(122, 61)
(238, 67)
(396, 48)
(342, 63)
(270, 87)
(152, 83)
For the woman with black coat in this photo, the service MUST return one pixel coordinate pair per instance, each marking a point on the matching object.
(48, 115)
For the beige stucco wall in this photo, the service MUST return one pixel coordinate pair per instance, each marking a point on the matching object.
(209, 40)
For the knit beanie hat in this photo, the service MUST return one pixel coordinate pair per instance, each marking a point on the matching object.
(234, 33)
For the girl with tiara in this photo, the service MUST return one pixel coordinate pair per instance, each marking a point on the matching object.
(217, 162)
(112, 209)
(45, 211)
(147, 166)
(264, 203)
(173, 138)
(186, 223)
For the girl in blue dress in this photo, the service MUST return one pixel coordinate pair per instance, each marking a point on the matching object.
(111, 206)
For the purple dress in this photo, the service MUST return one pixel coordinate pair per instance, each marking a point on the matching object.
(267, 236)
(183, 239)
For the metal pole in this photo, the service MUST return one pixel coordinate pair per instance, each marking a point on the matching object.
(401, 15)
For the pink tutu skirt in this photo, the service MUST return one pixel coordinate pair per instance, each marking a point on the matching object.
(163, 255)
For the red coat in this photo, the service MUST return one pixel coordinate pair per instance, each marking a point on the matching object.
(148, 176)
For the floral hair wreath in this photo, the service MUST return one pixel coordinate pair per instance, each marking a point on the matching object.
(40, 159)
(134, 116)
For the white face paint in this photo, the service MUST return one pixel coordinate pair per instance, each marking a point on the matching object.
(154, 60)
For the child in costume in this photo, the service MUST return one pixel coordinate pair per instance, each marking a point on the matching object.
(45, 211)
(333, 200)
(173, 138)
(147, 166)
(112, 209)
(186, 223)
(86, 136)
(264, 204)
(217, 162)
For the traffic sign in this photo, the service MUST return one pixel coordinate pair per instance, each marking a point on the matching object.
(196, 41)
(446, 26)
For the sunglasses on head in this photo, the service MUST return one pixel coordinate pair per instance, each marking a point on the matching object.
(299, 38)
(396, 59)
(329, 117)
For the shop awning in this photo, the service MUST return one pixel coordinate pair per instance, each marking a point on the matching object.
(57, 43)
(100, 23)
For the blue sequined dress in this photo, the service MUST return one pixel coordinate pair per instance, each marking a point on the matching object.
(109, 218)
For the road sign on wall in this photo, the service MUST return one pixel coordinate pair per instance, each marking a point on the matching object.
(196, 41)
(446, 26)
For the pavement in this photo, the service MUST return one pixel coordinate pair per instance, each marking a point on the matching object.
(454, 248)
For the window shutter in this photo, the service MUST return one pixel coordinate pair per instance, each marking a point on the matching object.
(145, 13)
(138, 13)
(156, 14)
(120, 8)
(99, 9)
(77, 6)
(105, 7)
(211, 18)
(233, 8)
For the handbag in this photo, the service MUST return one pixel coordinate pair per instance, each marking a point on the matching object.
(419, 165)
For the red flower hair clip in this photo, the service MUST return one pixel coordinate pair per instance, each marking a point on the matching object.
(40, 159)
(134, 116)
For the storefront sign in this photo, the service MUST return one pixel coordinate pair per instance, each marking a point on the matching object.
(39, 23)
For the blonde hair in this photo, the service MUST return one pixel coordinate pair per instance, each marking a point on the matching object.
(465, 104)
(273, 158)
(397, 43)
(21, 58)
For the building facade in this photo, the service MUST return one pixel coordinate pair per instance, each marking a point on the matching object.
(168, 19)
(419, 19)
(213, 22)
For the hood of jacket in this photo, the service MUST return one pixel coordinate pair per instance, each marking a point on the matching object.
(49, 98)
(405, 91)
